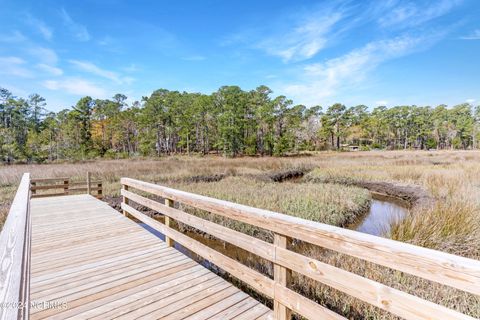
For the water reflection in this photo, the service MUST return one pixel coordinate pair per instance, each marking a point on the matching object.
(384, 211)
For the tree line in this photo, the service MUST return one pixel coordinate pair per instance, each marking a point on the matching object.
(230, 122)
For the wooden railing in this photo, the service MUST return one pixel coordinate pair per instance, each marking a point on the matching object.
(40, 187)
(15, 241)
(454, 271)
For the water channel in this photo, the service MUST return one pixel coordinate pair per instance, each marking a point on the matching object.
(383, 213)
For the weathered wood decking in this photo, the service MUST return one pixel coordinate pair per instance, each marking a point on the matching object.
(90, 261)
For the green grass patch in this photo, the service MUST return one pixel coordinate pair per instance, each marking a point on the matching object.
(327, 203)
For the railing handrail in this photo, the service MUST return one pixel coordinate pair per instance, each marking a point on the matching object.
(68, 187)
(15, 241)
(455, 271)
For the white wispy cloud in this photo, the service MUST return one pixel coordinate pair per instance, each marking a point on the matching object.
(304, 35)
(301, 35)
(318, 81)
(40, 27)
(194, 58)
(94, 69)
(131, 68)
(471, 101)
(304, 41)
(381, 102)
(91, 68)
(44, 55)
(111, 44)
(79, 31)
(14, 36)
(51, 70)
(411, 28)
(405, 14)
(308, 37)
(76, 86)
(474, 35)
(106, 41)
(14, 66)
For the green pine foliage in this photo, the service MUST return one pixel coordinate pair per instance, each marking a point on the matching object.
(230, 121)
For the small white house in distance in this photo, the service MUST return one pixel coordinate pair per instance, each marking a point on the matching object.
(348, 147)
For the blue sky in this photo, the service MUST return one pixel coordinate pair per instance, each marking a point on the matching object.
(314, 52)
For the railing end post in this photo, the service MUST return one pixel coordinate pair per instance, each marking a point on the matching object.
(281, 276)
(32, 187)
(168, 240)
(125, 200)
(89, 175)
(66, 186)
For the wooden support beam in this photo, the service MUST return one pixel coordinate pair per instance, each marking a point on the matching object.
(89, 176)
(281, 276)
(168, 240)
(99, 190)
(125, 200)
(48, 179)
(65, 186)
(48, 195)
(33, 187)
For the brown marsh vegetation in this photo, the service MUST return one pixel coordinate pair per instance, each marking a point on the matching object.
(443, 188)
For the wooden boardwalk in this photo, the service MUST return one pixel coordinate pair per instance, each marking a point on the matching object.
(73, 256)
(88, 261)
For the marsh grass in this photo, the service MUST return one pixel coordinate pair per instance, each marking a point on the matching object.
(332, 204)
(451, 226)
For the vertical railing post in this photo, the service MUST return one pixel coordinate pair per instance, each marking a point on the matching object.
(65, 186)
(88, 182)
(99, 190)
(168, 203)
(281, 276)
(125, 200)
(33, 185)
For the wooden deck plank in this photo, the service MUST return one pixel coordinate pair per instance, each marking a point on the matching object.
(161, 299)
(108, 245)
(215, 307)
(99, 272)
(178, 301)
(106, 266)
(54, 276)
(117, 304)
(255, 312)
(235, 310)
(162, 292)
(101, 281)
(87, 297)
(110, 241)
(112, 286)
(83, 257)
(204, 302)
(72, 234)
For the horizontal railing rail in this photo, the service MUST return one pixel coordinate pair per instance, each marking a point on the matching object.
(454, 271)
(64, 186)
(15, 242)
